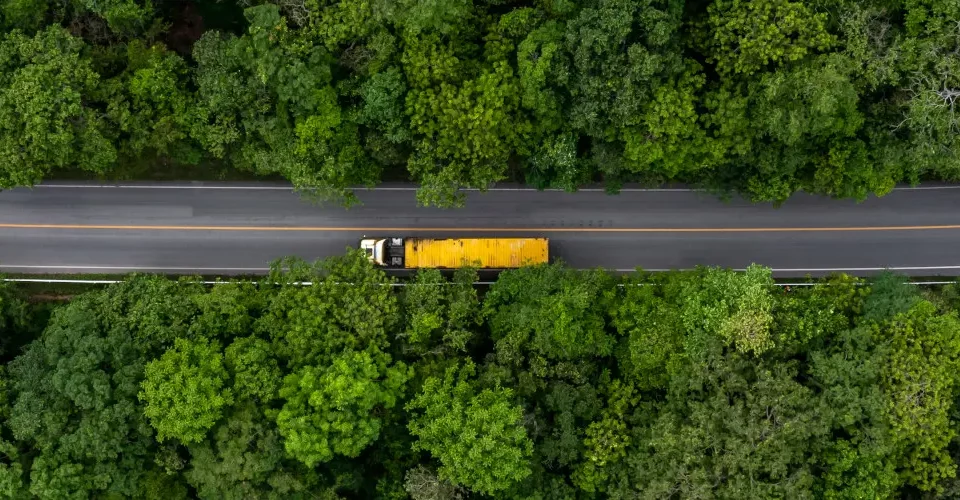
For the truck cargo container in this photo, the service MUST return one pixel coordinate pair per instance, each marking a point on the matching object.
(453, 253)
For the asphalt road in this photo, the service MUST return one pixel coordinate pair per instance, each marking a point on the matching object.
(240, 228)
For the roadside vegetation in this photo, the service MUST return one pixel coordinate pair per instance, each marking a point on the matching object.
(764, 97)
(551, 383)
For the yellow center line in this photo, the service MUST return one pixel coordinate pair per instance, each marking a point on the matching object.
(479, 229)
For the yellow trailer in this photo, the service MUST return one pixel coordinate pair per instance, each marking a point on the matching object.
(452, 253)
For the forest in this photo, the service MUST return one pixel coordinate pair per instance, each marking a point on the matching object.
(327, 380)
(764, 98)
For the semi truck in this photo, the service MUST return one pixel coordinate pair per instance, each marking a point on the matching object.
(453, 253)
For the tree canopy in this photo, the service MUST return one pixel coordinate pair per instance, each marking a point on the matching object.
(760, 97)
(550, 383)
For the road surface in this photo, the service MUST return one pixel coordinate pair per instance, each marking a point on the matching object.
(241, 228)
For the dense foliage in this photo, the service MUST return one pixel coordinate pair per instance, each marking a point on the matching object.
(765, 97)
(551, 384)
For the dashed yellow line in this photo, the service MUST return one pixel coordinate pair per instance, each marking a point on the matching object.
(479, 229)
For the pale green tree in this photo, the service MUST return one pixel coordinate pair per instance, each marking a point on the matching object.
(476, 434)
(333, 410)
(186, 390)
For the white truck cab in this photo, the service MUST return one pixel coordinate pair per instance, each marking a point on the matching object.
(384, 252)
(374, 250)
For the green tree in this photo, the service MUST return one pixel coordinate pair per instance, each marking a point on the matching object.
(475, 434)
(75, 389)
(123, 16)
(801, 127)
(737, 438)
(265, 101)
(549, 324)
(465, 135)
(550, 312)
(607, 440)
(889, 295)
(255, 371)
(383, 113)
(919, 379)
(75, 404)
(466, 122)
(667, 140)
(872, 44)
(25, 15)
(888, 382)
(858, 463)
(736, 306)
(228, 309)
(149, 105)
(349, 306)
(806, 318)
(441, 315)
(156, 310)
(383, 105)
(244, 458)
(446, 17)
(929, 119)
(46, 117)
(12, 479)
(184, 392)
(628, 46)
(707, 406)
(743, 36)
(542, 69)
(15, 318)
(333, 410)
(655, 342)
(631, 89)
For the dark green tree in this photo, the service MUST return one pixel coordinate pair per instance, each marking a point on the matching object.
(441, 315)
(13, 481)
(76, 405)
(244, 458)
(149, 105)
(349, 306)
(265, 101)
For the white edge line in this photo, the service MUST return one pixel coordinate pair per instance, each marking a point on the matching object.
(359, 189)
(159, 186)
(309, 283)
(220, 282)
(812, 270)
(260, 269)
(137, 268)
(408, 188)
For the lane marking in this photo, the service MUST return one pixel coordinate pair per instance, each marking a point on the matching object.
(407, 188)
(813, 269)
(357, 189)
(622, 270)
(123, 227)
(835, 269)
(309, 283)
(136, 268)
(161, 186)
(217, 282)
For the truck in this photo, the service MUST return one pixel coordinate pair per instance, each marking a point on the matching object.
(453, 253)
